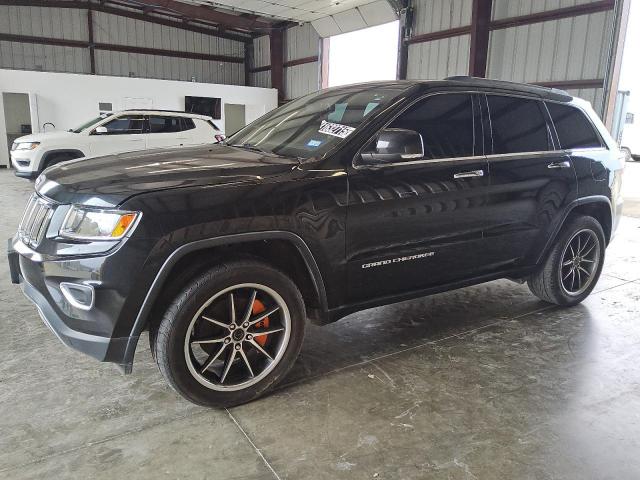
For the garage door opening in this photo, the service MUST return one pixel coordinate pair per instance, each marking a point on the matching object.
(364, 55)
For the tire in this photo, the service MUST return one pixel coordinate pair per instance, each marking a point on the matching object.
(198, 316)
(554, 281)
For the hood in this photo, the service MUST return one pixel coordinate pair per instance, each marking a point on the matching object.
(43, 137)
(109, 181)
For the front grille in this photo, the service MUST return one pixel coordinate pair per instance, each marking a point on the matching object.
(35, 221)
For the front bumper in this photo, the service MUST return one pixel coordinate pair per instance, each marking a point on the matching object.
(61, 319)
(24, 163)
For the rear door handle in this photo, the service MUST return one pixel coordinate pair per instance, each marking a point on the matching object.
(469, 174)
(564, 164)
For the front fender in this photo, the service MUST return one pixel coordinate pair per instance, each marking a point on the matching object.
(162, 275)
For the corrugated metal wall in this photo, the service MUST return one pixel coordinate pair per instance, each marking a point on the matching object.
(558, 50)
(444, 57)
(436, 15)
(299, 42)
(68, 24)
(71, 24)
(515, 8)
(439, 59)
(126, 31)
(261, 57)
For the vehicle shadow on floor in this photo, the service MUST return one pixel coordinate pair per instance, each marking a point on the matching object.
(381, 331)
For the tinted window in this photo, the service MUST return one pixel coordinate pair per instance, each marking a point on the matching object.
(187, 124)
(574, 129)
(162, 124)
(128, 124)
(518, 125)
(445, 123)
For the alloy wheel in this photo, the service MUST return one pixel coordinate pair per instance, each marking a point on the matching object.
(237, 337)
(580, 261)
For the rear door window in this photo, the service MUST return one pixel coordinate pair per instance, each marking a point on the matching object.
(164, 124)
(518, 125)
(573, 128)
(445, 122)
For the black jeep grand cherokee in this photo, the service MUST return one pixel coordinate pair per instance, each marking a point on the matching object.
(342, 200)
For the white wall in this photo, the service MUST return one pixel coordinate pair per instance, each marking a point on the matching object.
(67, 99)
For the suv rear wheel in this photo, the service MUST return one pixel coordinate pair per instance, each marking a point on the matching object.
(573, 266)
(231, 334)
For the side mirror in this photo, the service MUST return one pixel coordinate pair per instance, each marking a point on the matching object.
(100, 130)
(394, 145)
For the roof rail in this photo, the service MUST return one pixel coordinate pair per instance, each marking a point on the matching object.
(153, 110)
(525, 87)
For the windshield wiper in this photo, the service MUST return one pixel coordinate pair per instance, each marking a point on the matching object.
(253, 148)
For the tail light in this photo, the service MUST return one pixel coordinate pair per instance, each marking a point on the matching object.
(219, 137)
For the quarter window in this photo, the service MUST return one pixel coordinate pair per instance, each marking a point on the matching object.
(518, 125)
(573, 128)
(187, 124)
(125, 125)
(445, 122)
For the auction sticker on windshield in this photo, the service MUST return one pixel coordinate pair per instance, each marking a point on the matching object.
(335, 129)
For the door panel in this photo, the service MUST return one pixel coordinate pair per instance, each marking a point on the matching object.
(165, 132)
(414, 227)
(124, 134)
(531, 181)
(525, 198)
(416, 224)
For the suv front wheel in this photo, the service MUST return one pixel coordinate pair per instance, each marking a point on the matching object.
(573, 265)
(231, 334)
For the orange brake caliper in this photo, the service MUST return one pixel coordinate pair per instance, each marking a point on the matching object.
(258, 307)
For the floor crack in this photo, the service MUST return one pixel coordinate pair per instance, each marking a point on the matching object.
(264, 460)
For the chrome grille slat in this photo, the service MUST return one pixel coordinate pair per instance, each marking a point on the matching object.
(43, 226)
(35, 221)
(27, 214)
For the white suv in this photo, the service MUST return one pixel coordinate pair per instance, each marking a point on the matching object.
(119, 132)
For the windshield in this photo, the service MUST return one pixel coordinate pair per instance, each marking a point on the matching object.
(91, 122)
(312, 125)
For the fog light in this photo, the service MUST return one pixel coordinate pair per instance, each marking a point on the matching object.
(80, 296)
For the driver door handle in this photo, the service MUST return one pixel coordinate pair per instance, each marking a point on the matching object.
(564, 164)
(469, 174)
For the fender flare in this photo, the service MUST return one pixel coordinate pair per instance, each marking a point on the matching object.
(572, 206)
(162, 275)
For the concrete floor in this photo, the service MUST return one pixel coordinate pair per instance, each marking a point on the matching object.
(481, 383)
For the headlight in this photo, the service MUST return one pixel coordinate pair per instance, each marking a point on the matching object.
(89, 224)
(25, 145)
